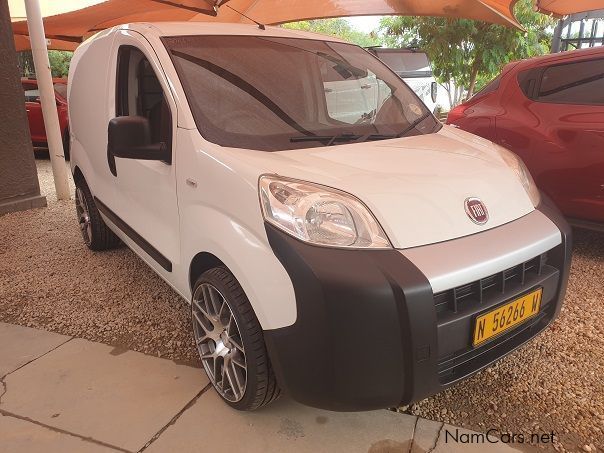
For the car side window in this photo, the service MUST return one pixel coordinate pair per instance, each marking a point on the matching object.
(32, 93)
(138, 92)
(527, 80)
(573, 83)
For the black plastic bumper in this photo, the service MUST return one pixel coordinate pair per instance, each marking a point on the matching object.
(368, 334)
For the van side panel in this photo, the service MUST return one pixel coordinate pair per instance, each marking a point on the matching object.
(88, 114)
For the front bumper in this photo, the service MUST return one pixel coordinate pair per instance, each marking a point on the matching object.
(371, 332)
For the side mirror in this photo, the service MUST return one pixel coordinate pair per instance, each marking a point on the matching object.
(129, 137)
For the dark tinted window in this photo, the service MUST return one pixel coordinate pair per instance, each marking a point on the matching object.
(32, 94)
(527, 80)
(270, 93)
(61, 89)
(138, 92)
(573, 83)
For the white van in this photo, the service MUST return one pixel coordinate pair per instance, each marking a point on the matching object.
(413, 66)
(355, 262)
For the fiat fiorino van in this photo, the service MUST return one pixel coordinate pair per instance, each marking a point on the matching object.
(354, 261)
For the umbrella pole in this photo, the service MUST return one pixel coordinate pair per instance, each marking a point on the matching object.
(47, 97)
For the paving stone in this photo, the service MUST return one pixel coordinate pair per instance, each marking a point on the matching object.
(459, 440)
(425, 436)
(118, 397)
(284, 426)
(19, 345)
(19, 436)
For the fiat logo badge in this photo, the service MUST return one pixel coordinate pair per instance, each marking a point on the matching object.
(476, 210)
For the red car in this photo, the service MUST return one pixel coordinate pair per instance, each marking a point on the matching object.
(550, 111)
(34, 112)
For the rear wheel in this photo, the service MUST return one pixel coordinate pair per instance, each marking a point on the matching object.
(230, 342)
(96, 234)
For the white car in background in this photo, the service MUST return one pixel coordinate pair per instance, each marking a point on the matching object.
(353, 252)
(413, 66)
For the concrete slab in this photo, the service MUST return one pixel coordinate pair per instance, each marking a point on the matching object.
(118, 397)
(210, 425)
(19, 345)
(19, 436)
(437, 437)
(426, 435)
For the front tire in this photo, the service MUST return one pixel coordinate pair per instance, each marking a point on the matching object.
(230, 342)
(96, 234)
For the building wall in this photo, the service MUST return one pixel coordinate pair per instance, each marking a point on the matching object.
(19, 188)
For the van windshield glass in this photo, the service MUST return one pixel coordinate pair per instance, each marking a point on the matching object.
(406, 63)
(270, 93)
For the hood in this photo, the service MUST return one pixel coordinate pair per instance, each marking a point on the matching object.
(415, 186)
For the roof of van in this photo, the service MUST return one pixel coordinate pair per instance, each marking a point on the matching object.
(216, 28)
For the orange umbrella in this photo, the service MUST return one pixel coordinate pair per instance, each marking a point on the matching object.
(77, 25)
(564, 7)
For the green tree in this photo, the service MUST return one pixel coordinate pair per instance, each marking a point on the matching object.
(59, 63)
(467, 53)
(338, 27)
(26, 63)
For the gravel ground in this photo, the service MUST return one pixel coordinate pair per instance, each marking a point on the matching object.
(52, 281)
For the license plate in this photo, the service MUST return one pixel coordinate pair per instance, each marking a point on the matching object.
(506, 317)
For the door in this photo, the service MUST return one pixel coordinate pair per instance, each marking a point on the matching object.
(560, 133)
(570, 101)
(34, 113)
(144, 205)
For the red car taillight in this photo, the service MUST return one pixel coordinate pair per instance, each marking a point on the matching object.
(456, 113)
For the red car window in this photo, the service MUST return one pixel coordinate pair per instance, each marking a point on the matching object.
(573, 83)
(61, 90)
(31, 92)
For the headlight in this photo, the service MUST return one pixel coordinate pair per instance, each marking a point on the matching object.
(516, 164)
(319, 215)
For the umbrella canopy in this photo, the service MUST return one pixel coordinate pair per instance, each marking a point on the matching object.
(22, 43)
(564, 7)
(78, 25)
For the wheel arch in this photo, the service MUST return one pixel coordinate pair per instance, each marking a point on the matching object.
(78, 175)
(202, 262)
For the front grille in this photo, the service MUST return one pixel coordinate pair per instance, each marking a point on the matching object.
(468, 360)
(481, 290)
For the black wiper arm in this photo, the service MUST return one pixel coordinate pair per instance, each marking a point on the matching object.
(412, 125)
(375, 137)
(329, 139)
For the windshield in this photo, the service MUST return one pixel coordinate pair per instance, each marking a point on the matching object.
(406, 63)
(269, 93)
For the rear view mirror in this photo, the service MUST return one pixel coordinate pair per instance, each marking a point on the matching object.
(129, 137)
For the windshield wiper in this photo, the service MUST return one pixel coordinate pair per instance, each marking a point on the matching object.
(332, 139)
(412, 125)
(350, 137)
(329, 139)
(375, 137)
